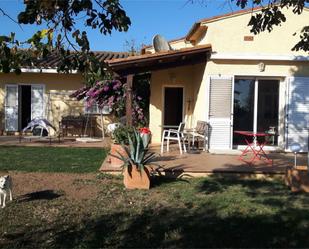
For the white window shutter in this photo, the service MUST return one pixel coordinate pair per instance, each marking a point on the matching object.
(220, 112)
(11, 108)
(37, 101)
(298, 112)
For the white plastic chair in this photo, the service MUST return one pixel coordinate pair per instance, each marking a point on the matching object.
(175, 135)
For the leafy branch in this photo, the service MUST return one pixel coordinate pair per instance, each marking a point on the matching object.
(62, 36)
(271, 15)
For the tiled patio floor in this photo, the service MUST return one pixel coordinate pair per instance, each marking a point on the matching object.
(203, 163)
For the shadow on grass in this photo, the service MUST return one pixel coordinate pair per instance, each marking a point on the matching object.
(226, 212)
(270, 193)
(173, 227)
(217, 183)
(39, 195)
(157, 181)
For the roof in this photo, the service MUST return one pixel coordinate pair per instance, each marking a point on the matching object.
(235, 13)
(52, 61)
(159, 54)
(230, 14)
(198, 25)
(160, 60)
(169, 41)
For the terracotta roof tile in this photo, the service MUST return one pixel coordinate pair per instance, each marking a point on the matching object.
(235, 13)
(214, 18)
(158, 54)
(53, 61)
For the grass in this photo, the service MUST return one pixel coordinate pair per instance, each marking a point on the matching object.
(200, 212)
(51, 159)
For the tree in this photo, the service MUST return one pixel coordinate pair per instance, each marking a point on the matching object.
(112, 94)
(61, 34)
(271, 15)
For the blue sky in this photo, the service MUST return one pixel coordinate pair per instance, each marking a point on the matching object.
(170, 18)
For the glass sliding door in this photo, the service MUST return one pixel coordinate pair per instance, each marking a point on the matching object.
(268, 108)
(243, 107)
(256, 107)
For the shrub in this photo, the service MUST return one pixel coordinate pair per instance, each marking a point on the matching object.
(120, 135)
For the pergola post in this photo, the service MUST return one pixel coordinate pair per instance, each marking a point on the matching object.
(129, 85)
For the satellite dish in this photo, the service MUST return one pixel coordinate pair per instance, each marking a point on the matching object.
(160, 44)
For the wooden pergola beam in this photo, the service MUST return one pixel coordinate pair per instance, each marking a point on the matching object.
(129, 85)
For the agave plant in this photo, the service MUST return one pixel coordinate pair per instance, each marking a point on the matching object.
(136, 153)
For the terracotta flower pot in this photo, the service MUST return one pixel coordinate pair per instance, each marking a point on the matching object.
(115, 162)
(135, 179)
(297, 178)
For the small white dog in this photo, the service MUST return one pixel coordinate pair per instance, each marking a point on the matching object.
(5, 188)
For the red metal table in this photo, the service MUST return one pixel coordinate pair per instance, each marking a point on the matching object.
(256, 147)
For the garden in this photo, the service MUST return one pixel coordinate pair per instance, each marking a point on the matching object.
(93, 210)
(61, 200)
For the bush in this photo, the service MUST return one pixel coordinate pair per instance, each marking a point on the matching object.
(120, 134)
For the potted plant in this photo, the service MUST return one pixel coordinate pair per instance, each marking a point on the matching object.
(297, 178)
(136, 162)
(119, 141)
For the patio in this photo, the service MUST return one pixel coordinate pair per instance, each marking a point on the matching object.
(194, 163)
(201, 163)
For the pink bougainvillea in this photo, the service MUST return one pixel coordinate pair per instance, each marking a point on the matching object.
(111, 94)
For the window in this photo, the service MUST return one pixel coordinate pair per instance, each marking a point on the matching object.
(256, 106)
(95, 109)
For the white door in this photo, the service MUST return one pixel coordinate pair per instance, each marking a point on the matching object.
(11, 108)
(220, 112)
(37, 101)
(297, 112)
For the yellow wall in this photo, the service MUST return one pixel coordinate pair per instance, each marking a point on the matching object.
(272, 68)
(58, 87)
(227, 36)
(56, 96)
(188, 77)
(195, 79)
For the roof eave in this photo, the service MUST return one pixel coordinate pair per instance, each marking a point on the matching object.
(196, 32)
(161, 61)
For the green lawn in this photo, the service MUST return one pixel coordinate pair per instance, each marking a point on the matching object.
(51, 159)
(196, 213)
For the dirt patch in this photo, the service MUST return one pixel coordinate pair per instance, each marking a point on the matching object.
(27, 186)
